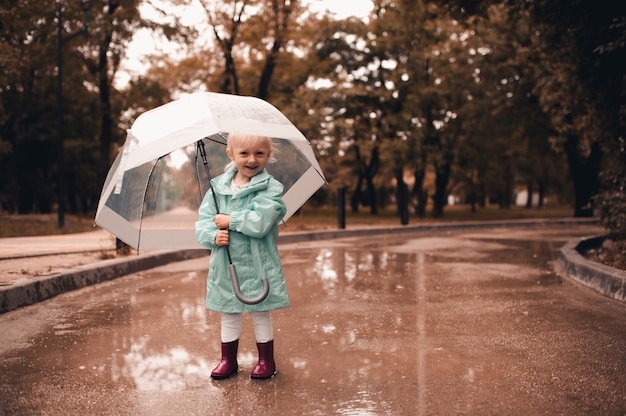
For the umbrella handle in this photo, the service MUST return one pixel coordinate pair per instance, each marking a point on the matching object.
(240, 296)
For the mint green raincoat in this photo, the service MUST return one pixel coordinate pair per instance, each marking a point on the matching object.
(255, 212)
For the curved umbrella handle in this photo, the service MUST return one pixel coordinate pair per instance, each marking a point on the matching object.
(237, 289)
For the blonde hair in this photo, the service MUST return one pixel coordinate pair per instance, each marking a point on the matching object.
(246, 139)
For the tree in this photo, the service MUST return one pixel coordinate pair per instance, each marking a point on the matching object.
(336, 106)
(225, 19)
(113, 29)
(251, 34)
(505, 133)
(580, 88)
(465, 97)
(28, 39)
(27, 106)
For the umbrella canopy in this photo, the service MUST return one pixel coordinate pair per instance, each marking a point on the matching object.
(156, 183)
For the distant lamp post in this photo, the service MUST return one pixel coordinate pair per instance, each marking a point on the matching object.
(86, 6)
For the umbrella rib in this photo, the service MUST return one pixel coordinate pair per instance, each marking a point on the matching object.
(143, 199)
(320, 173)
(210, 138)
(198, 175)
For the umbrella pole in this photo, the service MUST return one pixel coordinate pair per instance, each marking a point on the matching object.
(231, 266)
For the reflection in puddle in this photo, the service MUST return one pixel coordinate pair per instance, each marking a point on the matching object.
(329, 328)
(365, 298)
(470, 375)
(160, 358)
(365, 272)
(63, 328)
(298, 363)
(171, 370)
(131, 340)
(325, 269)
(363, 405)
(194, 314)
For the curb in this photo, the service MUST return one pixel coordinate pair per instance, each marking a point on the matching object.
(606, 280)
(31, 291)
(403, 229)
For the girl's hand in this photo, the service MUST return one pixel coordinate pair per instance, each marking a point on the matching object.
(222, 221)
(221, 239)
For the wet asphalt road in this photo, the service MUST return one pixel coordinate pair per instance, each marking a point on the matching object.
(473, 322)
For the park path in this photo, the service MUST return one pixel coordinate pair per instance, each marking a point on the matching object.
(474, 321)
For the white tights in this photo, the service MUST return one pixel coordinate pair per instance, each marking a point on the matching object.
(231, 326)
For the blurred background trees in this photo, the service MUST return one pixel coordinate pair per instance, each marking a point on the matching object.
(421, 104)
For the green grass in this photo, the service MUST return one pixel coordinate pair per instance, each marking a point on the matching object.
(42, 224)
(306, 219)
(326, 218)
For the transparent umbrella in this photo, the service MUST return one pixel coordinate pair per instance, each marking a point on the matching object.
(156, 183)
(153, 190)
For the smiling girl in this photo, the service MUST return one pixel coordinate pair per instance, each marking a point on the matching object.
(250, 207)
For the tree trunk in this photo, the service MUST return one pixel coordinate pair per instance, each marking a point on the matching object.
(370, 173)
(418, 191)
(366, 172)
(504, 197)
(542, 192)
(402, 196)
(584, 173)
(282, 13)
(441, 185)
(230, 82)
(266, 76)
(356, 195)
(372, 195)
(481, 198)
(106, 128)
(104, 88)
(529, 197)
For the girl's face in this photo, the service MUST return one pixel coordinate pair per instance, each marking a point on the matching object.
(250, 158)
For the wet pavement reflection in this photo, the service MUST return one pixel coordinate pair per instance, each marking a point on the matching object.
(463, 322)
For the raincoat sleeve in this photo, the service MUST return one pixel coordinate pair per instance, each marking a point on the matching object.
(264, 211)
(206, 230)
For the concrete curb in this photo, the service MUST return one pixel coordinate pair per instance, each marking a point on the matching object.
(29, 291)
(599, 277)
(364, 232)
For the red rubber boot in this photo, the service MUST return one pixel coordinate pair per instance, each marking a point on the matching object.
(266, 367)
(228, 364)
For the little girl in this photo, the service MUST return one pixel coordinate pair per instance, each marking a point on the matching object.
(250, 206)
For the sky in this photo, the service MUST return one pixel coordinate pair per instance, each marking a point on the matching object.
(144, 44)
(342, 8)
